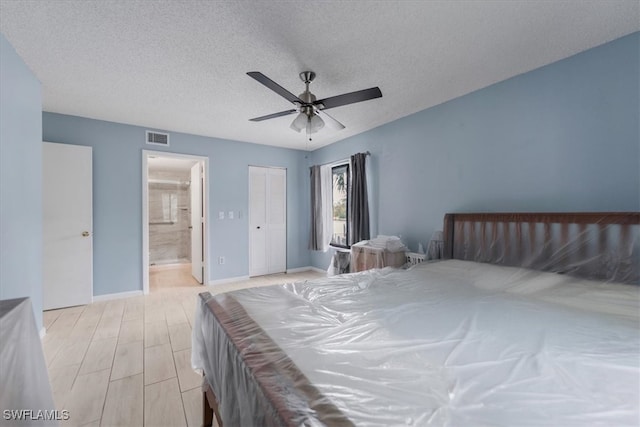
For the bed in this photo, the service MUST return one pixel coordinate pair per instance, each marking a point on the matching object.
(533, 319)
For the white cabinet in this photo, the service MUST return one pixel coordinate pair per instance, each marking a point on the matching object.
(267, 220)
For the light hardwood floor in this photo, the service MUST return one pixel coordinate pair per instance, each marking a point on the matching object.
(163, 277)
(127, 362)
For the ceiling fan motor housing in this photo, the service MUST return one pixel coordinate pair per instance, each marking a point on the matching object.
(307, 76)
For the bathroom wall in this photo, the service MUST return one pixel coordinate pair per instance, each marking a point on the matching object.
(169, 217)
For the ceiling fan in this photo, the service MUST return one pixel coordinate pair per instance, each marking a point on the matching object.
(310, 110)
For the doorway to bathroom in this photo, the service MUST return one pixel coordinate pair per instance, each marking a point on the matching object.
(174, 221)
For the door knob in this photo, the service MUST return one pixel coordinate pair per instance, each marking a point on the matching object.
(85, 234)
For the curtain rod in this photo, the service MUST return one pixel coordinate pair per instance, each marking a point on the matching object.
(335, 162)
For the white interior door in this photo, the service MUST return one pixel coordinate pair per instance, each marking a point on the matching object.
(67, 225)
(267, 221)
(197, 217)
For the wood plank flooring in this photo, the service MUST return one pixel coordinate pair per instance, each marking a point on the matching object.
(127, 362)
(169, 276)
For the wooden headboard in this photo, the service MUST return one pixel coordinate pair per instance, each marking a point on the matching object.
(594, 245)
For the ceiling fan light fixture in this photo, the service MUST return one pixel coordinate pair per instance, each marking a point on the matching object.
(315, 123)
(299, 122)
(307, 120)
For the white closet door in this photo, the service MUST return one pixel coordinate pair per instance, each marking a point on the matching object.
(267, 220)
(257, 222)
(277, 220)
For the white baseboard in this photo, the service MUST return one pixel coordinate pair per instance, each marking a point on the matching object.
(298, 270)
(118, 295)
(303, 269)
(43, 332)
(228, 280)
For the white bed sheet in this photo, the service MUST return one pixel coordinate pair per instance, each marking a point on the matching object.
(25, 392)
(459, 343)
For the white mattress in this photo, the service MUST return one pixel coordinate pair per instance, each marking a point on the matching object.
(458, 343)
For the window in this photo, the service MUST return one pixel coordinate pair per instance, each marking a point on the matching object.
(340, 201)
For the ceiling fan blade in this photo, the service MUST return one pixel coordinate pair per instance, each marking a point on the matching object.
(273, 116)
(274, 86)
(330, 121)
(348, 98)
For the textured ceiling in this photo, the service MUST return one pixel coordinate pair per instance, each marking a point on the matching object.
(180, 65)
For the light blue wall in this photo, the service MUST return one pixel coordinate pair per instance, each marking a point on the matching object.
(20, 180)
(564, 137)
(117, 192)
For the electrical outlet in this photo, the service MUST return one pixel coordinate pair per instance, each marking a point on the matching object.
(230, 214)
(221, 215)
(221, 260)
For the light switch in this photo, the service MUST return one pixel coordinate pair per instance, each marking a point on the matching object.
(230, 214)
(221, 215)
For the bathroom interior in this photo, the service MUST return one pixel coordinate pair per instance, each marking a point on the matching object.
(170, 223)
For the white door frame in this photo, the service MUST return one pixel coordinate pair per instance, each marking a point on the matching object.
(145, 212)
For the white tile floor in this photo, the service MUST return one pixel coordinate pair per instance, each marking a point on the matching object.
(127, 362)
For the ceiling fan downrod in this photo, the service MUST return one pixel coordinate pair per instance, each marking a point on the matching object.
(307, 97)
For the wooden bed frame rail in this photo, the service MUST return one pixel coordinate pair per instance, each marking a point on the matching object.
(209, 406)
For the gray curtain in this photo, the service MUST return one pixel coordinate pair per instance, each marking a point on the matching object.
(358, 198)
(315, 239)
